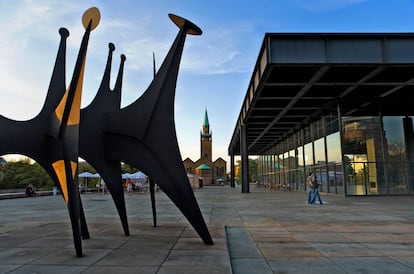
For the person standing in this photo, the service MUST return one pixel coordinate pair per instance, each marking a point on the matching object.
(103, 186)
(129, 186)
(30, 191)
(309, 185)
(316, 192)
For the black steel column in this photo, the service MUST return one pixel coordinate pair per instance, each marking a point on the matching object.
(232, 169)
(244, 160)
(344, 175)
(409, 144)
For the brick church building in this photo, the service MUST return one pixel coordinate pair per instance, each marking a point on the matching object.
(208, 171)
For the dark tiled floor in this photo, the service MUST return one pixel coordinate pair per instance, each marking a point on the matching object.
(259, 232)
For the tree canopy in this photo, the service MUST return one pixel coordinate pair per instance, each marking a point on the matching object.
(253, 169)
(21, 173)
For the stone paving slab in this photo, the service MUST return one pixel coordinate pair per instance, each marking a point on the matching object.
(345, 235)
(244, 255)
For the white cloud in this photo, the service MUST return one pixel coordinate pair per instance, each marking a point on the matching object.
(28, 50)
(222, 50)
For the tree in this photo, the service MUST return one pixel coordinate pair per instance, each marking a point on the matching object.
(85, 167)
(127, 168)
(21, 173)
(253, 170)
(37, 176)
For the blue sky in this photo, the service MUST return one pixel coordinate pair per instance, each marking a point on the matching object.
(215, 69)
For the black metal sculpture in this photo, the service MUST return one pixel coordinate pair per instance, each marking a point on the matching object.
(141, 134)
(151, 143)
(92, 141)
(54, 132)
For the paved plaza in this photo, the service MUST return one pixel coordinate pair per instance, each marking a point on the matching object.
(260, 232)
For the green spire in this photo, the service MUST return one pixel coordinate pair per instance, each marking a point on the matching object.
(206, 126)
(206, 123)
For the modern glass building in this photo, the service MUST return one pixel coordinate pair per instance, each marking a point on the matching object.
(341, 105)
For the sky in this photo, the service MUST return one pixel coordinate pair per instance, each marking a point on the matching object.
(215, 69)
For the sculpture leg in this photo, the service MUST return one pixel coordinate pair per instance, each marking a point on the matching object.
(74, 213)
(83, 224)
(154, 210)
(111, 173)
(117, 192)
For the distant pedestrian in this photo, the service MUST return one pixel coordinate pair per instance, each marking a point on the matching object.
(103, 186)
(81, 188)
(129, 186)
(309, 185)
(30, 191)
(316, 192)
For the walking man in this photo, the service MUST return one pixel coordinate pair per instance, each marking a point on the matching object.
(316, 192)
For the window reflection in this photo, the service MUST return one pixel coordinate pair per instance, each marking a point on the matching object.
(362, 143)
(396, 155)
(374, 151)
(334, 159)
(308, 155)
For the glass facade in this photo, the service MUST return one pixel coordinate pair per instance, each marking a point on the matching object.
(349, 155)
(396, 156)
(334, 163)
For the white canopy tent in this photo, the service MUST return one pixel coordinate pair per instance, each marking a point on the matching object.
(139, 178)
(87, 175)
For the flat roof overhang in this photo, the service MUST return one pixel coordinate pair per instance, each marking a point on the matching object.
(298, 77)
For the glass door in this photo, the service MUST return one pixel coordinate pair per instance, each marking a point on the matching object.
(356, 174)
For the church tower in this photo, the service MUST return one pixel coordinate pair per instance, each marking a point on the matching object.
(206, 172)
(206, 140)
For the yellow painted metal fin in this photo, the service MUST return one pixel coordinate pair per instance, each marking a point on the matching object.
(74, 166)
(59, 167)
(74, 116)
(61, 107)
